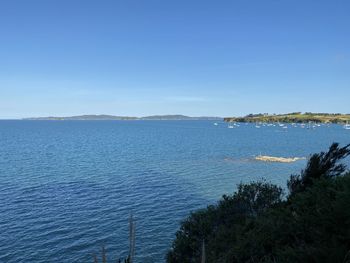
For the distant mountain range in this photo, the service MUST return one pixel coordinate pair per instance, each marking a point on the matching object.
(112, 117)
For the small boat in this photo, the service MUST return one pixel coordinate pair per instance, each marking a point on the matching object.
(347, 126)
(230, 126)
(310, 126)
(216, 124)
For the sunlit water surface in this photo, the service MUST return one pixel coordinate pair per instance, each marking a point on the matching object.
(68, 187)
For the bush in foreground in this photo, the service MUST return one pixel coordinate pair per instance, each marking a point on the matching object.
(259, 224)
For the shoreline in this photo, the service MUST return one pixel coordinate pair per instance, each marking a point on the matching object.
(298, 117)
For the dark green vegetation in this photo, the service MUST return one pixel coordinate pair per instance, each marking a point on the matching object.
(258, 223)
(295, 117)
(122, 118)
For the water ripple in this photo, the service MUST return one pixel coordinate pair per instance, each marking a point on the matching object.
(67, 188)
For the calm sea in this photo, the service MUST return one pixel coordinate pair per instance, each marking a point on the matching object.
(68, 187)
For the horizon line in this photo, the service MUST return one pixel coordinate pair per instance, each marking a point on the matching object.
(166, 115)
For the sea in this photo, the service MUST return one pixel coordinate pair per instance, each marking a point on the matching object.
(67, 188)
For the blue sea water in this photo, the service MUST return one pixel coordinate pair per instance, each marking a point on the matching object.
(68, 187)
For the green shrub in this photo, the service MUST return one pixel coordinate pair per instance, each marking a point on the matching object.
(256, 224)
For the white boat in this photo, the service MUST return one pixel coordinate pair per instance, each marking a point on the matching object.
(347, 126)
(215, 123)
(310, 126)
(230, 126)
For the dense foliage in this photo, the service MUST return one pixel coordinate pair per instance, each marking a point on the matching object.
(294, 117)
(260, 224)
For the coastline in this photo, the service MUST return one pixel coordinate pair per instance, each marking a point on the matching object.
(297, 117)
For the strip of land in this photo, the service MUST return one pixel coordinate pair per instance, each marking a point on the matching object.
(266, 158)
(112, 117)
(295, 117)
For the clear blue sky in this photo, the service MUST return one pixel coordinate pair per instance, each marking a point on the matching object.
(193, 57)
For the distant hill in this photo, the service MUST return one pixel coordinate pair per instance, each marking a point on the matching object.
(112, 117)
(295, 117)
(178, 117)
(83, 118)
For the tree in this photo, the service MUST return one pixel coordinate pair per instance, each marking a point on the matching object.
(324, 164)
(219, 225)
(256, 224)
